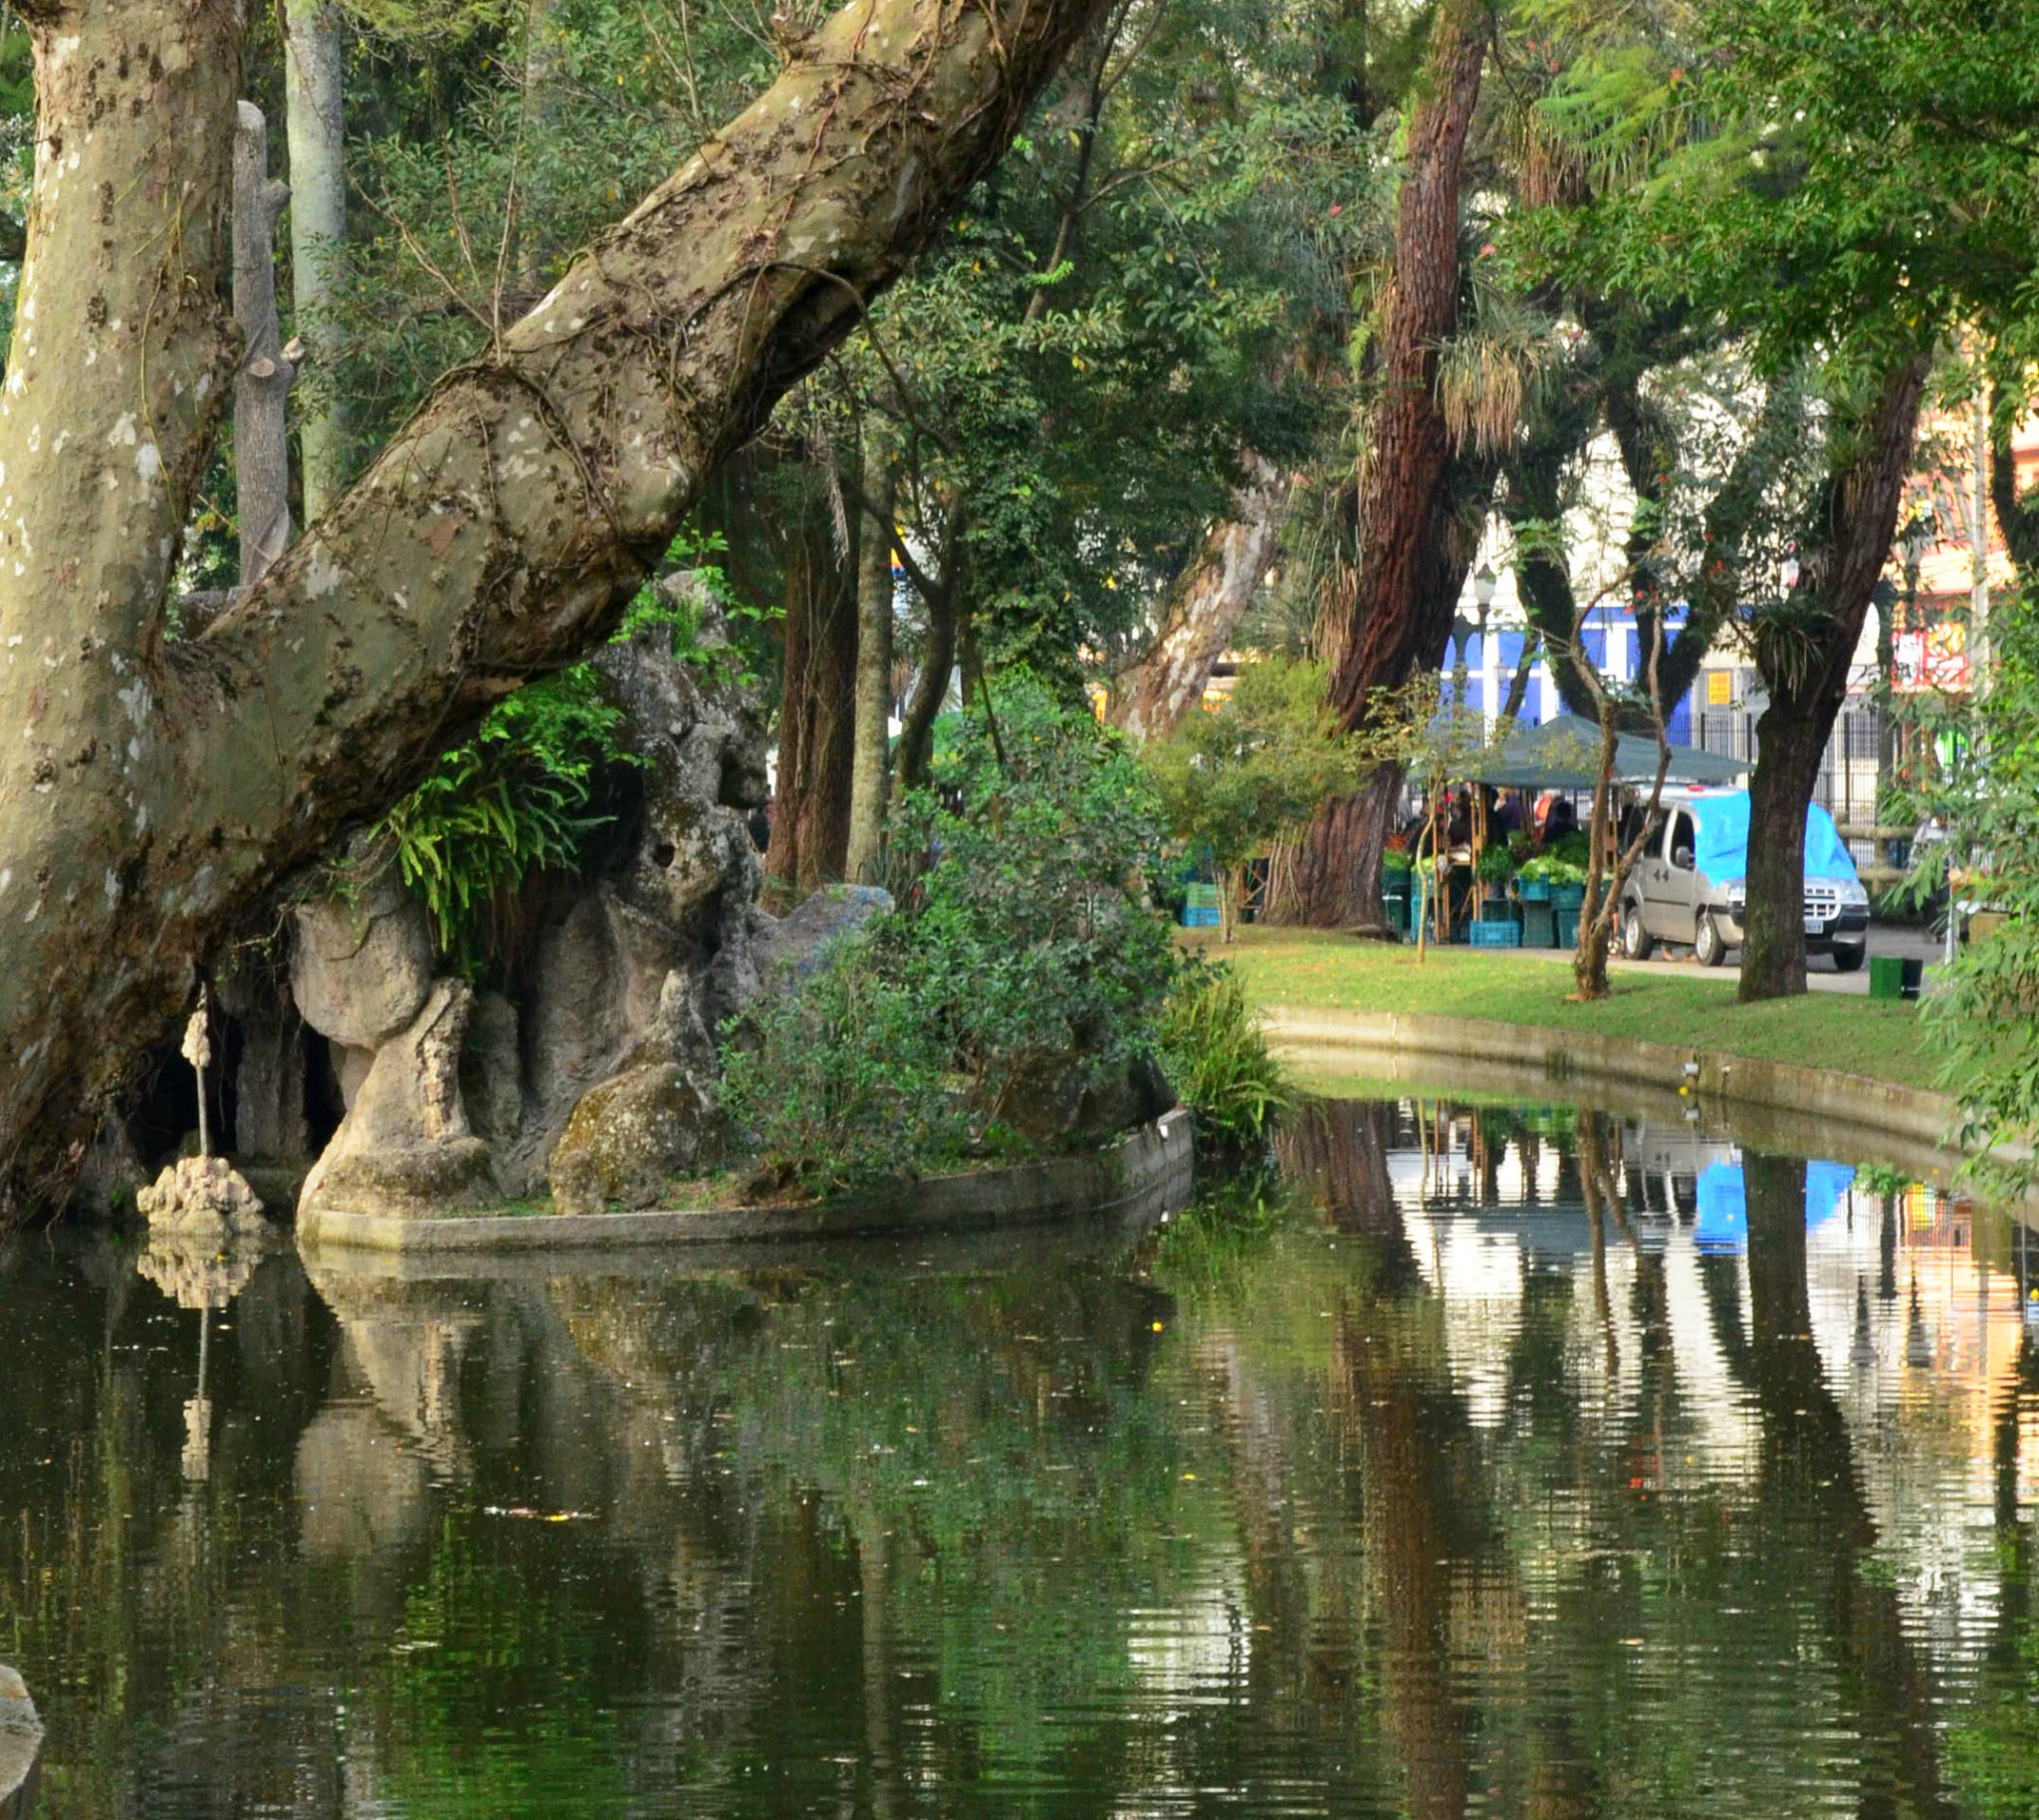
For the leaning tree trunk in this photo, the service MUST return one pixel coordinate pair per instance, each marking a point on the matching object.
(312, 104)
(873, 663)
(1414, 544)
(817, 716)
(152, 794)
(1805, 666)
(1204, 608)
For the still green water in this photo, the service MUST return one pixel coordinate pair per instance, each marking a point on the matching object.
(1500, 1462)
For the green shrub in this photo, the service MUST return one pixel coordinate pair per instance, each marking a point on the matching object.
(1216, 1059)
(842, 1084)
(1254, 772)
(1017, 963)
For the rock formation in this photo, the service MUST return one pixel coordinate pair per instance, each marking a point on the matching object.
(204, 1198)
(601, 1031)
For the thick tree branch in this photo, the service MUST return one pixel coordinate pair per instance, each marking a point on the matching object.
(498, 535)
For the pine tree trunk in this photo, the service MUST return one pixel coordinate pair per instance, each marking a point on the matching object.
(313, 118)
(865, 860)
(152, 794)
(1331, 877)
(1204, 608)
(817, 716)
(1418, 508)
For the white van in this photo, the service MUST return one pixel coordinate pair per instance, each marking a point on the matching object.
(1689, 885)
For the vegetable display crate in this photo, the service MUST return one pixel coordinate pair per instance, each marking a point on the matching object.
(1533, 890)
(1489, 934)
(1568, 897)
(1201, 897)
(1200, 916)
(1496, 910)
(1567, 928)
(1539, 923)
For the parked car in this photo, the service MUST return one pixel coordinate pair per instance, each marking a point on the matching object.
(1689, 886)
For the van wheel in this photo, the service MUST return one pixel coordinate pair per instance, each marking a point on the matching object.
(1635, 939)
(1846, 960)
(1708, 947)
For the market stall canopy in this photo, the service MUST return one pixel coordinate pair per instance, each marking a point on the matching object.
(1564, 754)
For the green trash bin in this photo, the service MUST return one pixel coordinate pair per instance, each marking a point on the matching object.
(1886, 975)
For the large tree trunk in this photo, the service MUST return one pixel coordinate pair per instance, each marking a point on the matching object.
(1413, 539)
(1204, 608)
(152, 794)
(312, 104)
(873, 663)
(1805, 665)
(816, 716)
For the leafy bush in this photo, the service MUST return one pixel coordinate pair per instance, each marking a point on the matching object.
(1255, 771)
(1983, 796)
(1016, 970)
(1215, 1056)
(844, 1084)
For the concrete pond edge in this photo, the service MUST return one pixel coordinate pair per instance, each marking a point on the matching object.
(1868, 1108)
(1154, 1162)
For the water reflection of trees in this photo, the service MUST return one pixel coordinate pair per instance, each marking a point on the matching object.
(1076, 1536)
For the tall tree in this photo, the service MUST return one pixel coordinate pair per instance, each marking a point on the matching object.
(157, 789)
(316, 128)
(810, 817)
(1204, 608)
(865, 857)
(1418, 507)
(1806, 651)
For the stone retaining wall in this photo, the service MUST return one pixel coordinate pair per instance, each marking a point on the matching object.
(1153, 1164)
(1868, 1111)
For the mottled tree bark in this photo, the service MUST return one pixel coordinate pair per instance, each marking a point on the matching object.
(816, 716)
(314, 121)
(1805, 658)
(866, 854)
(152, 794)
(1204, 608)
(1412, 538)
(262, 450)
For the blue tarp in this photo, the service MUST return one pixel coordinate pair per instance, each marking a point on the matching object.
(1722, 1224)
(1722, 851)
(1723, 1209)
(1825, 1183)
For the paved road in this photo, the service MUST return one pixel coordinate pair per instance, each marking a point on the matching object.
(1912, 944)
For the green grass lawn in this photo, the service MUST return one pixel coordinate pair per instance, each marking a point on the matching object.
(1316, 968)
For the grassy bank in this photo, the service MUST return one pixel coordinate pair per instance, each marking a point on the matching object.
(1310, 968)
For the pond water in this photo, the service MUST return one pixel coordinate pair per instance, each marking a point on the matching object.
(1496, 1460)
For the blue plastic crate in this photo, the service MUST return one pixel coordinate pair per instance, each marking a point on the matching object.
(1486, 934)
(1568, 928)
(1200, 916)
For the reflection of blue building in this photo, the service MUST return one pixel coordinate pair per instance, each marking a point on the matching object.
(1722, 1224)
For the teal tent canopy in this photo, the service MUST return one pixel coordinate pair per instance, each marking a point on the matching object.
(1564, 754)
